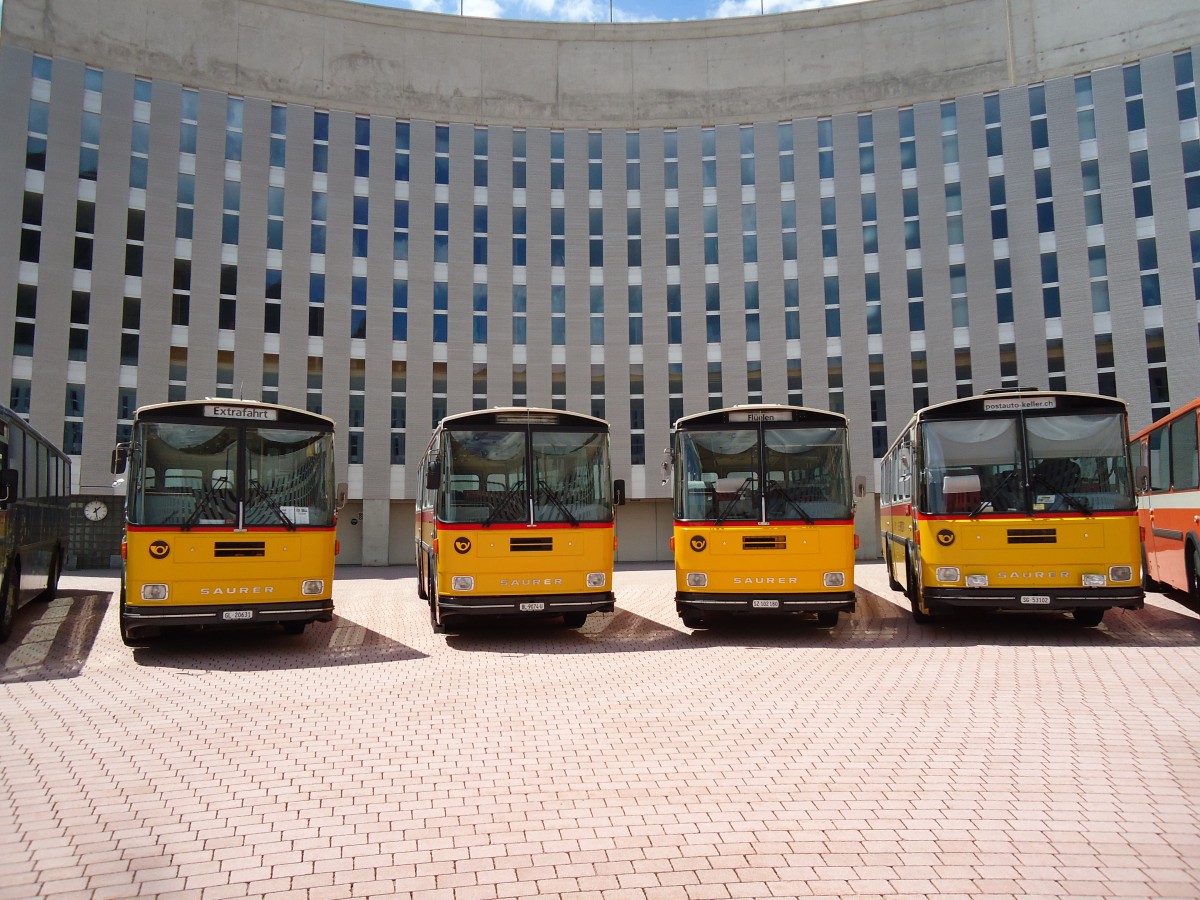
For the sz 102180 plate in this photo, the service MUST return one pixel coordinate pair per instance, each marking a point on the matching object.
(237, 614)
(1035, 599)
(765, 604)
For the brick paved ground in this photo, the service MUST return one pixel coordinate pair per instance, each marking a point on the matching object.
(1018, 756)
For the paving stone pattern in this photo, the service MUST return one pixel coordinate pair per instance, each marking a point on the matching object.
(632, 758)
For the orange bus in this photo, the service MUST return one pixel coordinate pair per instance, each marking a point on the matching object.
(1169, 500)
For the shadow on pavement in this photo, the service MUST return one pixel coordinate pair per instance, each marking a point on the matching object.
(341, 642)
(52, 640)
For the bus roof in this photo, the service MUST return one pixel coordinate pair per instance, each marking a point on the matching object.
(234, 410)
(520, 415)
(761, 412)
(1173, 414)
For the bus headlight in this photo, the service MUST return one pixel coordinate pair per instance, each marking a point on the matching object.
(313, 587)
(154, 592)
(697, 579)
(1120, 573)
(462, 583)
(1094, 581)
(835, 579)
(596, 579)
(977, 581)
(947, 573)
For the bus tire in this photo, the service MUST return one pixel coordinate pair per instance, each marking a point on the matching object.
(441, 624)
(916, 597)
(9, 595)
(422, 564)
(827, 618)
(891, 573)
(1193, 573)
(1088, 618)
(574, 619)
(52, 576)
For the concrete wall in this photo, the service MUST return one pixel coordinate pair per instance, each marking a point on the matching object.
(447, 68)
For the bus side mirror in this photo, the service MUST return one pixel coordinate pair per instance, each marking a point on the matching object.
(8, 485)
(860, 486)
(619, 492)
(433, 475)
(342, 490)
(1141, 477)
(120, 457)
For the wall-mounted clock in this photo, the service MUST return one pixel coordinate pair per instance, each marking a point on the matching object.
(95, 510)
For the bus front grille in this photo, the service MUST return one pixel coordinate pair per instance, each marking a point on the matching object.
(531, 544)
(767, 542)
(239, 548)
(1032, 536)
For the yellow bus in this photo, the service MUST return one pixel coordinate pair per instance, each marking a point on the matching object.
(764, 513)
(35, 489)
(515, 516)
(230, 517)
(1013, 500)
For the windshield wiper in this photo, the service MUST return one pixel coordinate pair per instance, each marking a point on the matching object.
(258, 493)
(733, 502)
(1077, 503)
(503, 503)
(775, 488)
(995, 492)
(202, 503)
(554, 498)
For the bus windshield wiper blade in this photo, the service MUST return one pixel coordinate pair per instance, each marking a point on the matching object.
(995, 492)
(733, 501)
(775, 488)
(202, 503)
(503, 503)
(258, 493)
(1077, 503)
(554, 498)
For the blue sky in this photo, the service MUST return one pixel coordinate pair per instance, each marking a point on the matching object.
(599, 10)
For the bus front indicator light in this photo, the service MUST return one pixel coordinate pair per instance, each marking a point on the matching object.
(313, 587)
(1120, 573)
(462, 583)
(596, 579)
(697, 579)
(948, 573)
(835, 579)
(1092, 581)
(154, 592)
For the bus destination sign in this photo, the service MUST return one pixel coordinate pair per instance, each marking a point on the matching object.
(1019, 404)
(775, 415)
(253, 413)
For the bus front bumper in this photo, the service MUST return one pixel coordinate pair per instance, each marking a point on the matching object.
(505, 605)
(765, 604)
(1033, 599)
(135, 617)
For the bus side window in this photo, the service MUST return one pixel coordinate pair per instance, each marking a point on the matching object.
(1185, 455)
(1159, 461)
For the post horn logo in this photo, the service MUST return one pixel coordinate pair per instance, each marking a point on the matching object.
(698, 543)
(160, 549)
(462, 545)
(945, 537)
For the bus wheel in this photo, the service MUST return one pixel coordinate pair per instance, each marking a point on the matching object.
(53, 575)
(8, 603)
(892, 582)
(916, 598)
(422, 590)
(574, 619)
(441, 624)
(1193, 574)
(827, 618)
(691, 619)
(1088, 618)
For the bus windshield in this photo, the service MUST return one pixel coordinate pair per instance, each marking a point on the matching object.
(1033, 464)
(725, 472)
(486, 477)
(191, 474)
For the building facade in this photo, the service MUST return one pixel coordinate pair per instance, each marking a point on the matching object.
(390, 216)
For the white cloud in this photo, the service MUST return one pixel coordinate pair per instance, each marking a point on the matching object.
(483, 9)
(730, 8)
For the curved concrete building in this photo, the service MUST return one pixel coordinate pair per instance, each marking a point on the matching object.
(391, 216)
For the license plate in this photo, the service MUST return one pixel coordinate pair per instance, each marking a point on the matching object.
(765, 604)
(532, 607)
(237, 614)
(1035, 599)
